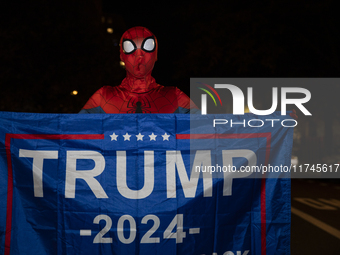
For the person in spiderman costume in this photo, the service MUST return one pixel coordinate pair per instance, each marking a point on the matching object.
(138, 92)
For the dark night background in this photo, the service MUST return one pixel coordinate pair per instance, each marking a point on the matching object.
(50, 48)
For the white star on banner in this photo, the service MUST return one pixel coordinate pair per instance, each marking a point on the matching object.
(165, 136)
(152, 137)
(127, 137)
(139, 137)
(113, 136)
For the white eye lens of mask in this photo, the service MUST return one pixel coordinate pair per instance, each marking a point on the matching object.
(128, 47)
(149, 44)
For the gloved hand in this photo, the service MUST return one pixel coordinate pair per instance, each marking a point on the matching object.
(293, 115)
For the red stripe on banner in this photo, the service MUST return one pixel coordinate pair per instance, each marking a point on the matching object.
(225, 136)
(263, 183)
(9, 195)
(8, 138)
(263, 218)
(56, 137)
(263, 202)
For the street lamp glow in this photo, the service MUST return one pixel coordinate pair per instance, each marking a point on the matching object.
(74, 93)
(109, 30)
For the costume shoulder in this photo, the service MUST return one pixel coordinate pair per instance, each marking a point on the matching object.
(170, 99)
(185, 105)
(98, 100)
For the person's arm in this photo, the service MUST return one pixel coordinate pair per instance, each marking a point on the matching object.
(93, 105)
(185, 104)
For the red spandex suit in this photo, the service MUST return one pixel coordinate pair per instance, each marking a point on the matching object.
(138, 92)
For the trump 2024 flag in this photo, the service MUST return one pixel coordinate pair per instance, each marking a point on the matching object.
(143, 184)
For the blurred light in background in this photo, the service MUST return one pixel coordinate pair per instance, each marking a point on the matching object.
(122, 64)
(294, 160)
(74, 93)
(109, 30)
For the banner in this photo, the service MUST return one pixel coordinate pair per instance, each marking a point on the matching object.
(143, 184)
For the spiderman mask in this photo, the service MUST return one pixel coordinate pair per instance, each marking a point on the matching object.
(138, 50)
(138, 92)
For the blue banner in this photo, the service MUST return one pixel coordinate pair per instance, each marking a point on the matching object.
(143, 184)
